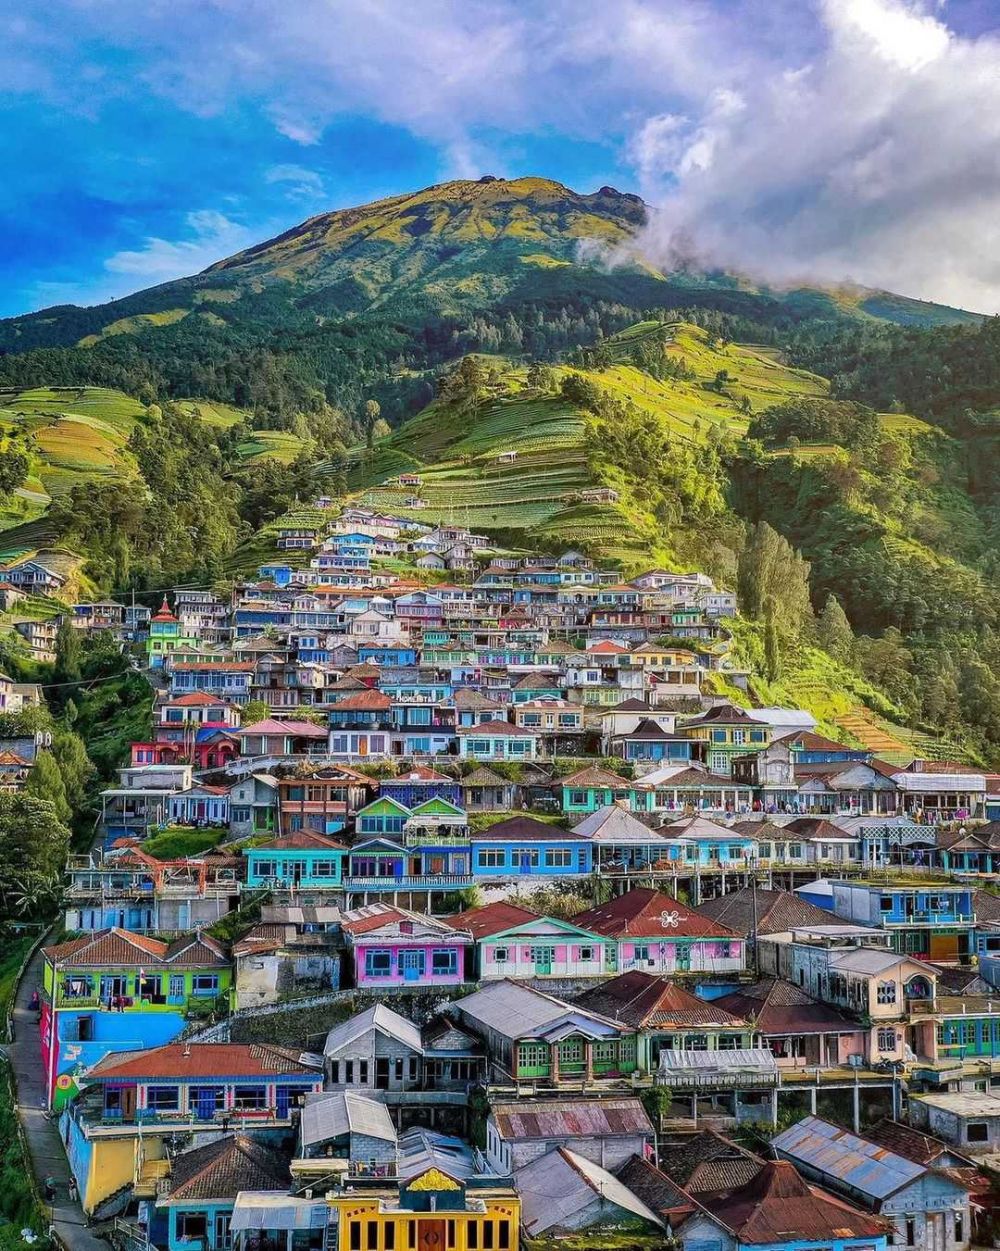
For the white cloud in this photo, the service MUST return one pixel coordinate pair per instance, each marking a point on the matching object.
(300, 183)
(876, 160)
(210, 237)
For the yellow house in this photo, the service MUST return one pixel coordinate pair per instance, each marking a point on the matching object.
(431, 1211)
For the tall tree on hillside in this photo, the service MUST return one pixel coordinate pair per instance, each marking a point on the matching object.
(833, 631)
(769, 567)
(373, 411)
(772, 641)
(69, 652)
(45, 782)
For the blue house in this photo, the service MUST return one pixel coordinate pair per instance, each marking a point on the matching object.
(395, 655)
(302, 859)
(649, 741)
(280, 573)
(421, 783)
(524, 847)
(934, 922)
(204, 1183)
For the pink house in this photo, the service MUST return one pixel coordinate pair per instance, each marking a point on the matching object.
(394, 947)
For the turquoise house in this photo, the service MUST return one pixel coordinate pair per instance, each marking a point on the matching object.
(524, 847)
(300, 859)
(592, 788)
(204, 1184)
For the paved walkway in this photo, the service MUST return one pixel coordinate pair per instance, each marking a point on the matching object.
(48, 1158)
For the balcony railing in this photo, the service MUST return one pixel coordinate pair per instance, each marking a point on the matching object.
(415, 881)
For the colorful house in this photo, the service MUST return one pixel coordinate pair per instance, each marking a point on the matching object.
(135, 1102)
(320, 799)
(533, 1036)
(419, 783)
(165, 636)
(514, 942)
(203, 1185)
(666, 1017)
(271, 737)
(115, 991)
(303, 860)
(522, 846)
(395, 947)
(431, 1210)
(727, 731)
(657, 934)
(931, 922)
(496, 740)
(591, 788)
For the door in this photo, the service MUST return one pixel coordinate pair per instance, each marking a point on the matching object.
(223, 1237)
(128, 1103)
(412, 964)
(430, 1236)
(543, 957)
(205, 1103)
(381, 1072)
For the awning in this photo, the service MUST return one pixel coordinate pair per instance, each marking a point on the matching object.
(263, 1209)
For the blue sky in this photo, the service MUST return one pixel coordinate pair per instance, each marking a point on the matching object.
(828, 140)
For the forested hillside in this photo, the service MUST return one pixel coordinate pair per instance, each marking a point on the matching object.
(834, 455)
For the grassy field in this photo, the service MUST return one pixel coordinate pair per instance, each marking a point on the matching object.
(281, 444)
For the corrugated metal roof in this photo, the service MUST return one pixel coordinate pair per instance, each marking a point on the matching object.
(555, 1187)
(867, 1167)
(335, 1113)
(571, 1118)
(757, 1059)
(380, 1018)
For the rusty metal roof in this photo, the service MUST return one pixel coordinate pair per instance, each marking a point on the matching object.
(867, 1167)
(571, 1118)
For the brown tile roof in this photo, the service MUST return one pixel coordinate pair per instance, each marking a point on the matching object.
(484, 777)
(491, 729)
(908, 1142)
(725, 714)
(681, 1155)
(533, 1119)
(106, 947)
(595, 776)
(778, 1007)
(221, 1169)
(779, 1206)
(520, 828)
(492, 918)
(363, 701)
(776, 911)
(645, 1001)
(302, 840)
(655, 1189)
(644, 913)
(375, 915)
(197, 1060)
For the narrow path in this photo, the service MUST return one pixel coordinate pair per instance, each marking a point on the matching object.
(48, 1158)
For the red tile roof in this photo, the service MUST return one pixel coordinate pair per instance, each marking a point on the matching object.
(197, 1060)
(363, 701)
(270, 725)
(106, 947)
(302, 840)
(646, 913)
(778, 1206)
(644, 1001)
(493, 729)
(779, 1007)
(492, 918)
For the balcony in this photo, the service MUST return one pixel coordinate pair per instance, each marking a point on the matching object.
(410, 881)
(925, 916)
(105, 1124)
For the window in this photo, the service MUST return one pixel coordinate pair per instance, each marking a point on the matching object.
(335, 1072)
(163, 1098)
(265, 868)
(558, 858)
(355, 1236)
(250, 1098)
(501, 955)
(977, 1131)
(192, 1224)
(885, 992)
(492, 858)
(487, 1236)
(795, 851)
(885, 903)
(378, 963)
(472, 1236)
(413, 1069)
(578, 798)
(451, 1235)
(348, 1072)
(397, 1066)
(533, 1055)
(362, 1071)
(390, 1236)
(444, 963)
(911, 1231)
(641, 951)
(503, 1235)
(586, 953)
(324, 868)
(525, 857)
(959, 1227)
(730, 1042)
(696, 1042)
(887, 1040)
(203, 984)
(371, 1240)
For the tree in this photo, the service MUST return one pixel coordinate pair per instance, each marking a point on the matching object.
(254, 710)
(772, 643)
(380, 430)
(770, 568)
(45, 782)
(833, 631)
(69, 652)
(372, 412)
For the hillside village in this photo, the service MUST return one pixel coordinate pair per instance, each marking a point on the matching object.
(462, 898)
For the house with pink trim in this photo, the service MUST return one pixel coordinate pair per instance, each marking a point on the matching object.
(515, 942)
(390, 947)
(658, 934)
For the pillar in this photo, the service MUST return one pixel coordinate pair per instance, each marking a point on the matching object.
(588, 1060)
(774, 1107)
(554, 1062)
(857, 1106)
(812, 1099)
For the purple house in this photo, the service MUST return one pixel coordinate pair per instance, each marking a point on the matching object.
(394, 947)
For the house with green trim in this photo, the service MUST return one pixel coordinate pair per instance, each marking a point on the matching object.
(116, 991)
(727, 731)
(666, 1017)
(589, 789)
(512, 941)
(530, 1035)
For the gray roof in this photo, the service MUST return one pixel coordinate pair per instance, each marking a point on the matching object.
(335, 1113)
(615, 825)
(867, 1167)
(378, 1018)
(420, 1149)
(757, 1059)
(872, 960)
(516, 1011)
(556, 1186)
